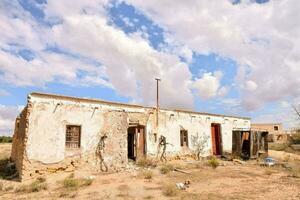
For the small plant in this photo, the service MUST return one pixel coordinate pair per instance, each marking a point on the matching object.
(148, 174)
(86, 182)
(35, 186)
(213, 162)
(295, 173)
(70, 183)
(166, 168)
(41, 179)
(170, 190)
(144, 162)
(1, 186)
(9, 188)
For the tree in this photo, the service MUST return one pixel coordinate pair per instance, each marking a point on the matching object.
(199, 142)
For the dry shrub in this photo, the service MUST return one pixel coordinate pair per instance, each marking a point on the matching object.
(295, 173)
(170, 190)
(35, 186)
(144, 162)
(124, 191)
(269, 172)
(72, 183)
(9, 188)
(278, 146)
(166, 168)
(213, 162)
(147, 174)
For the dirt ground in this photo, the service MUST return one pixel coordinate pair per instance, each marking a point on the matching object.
(228, 181)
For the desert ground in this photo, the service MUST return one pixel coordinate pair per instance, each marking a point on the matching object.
(230, 180)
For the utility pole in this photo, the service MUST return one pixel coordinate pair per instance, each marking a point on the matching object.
(157, 100)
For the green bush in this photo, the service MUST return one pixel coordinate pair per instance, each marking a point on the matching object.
(7, 169)
(213, 162)
(296, 138)
(5, 139)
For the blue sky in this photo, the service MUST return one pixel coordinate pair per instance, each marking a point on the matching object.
(212, 56)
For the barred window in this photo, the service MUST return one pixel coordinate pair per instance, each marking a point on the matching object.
(184, 139)
(73, 134)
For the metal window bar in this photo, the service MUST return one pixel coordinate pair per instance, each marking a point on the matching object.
(73, 137)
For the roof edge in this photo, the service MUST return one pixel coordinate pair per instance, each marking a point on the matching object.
(40, 94)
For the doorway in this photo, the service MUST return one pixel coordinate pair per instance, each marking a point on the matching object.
(136, 142)
(216, 139)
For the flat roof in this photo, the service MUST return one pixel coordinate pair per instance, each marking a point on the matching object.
(81, 99)
(264, 124)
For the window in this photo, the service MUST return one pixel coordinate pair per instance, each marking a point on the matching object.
(275, 128)
(184, 139)
(73, 134)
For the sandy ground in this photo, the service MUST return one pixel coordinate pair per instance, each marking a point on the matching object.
(228, 181)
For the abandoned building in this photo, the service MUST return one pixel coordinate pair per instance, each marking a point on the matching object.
(56, 132)
(275, 130)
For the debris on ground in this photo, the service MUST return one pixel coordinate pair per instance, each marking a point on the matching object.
(239, 161)
(268, 162)
(183, 186)
(181, 171)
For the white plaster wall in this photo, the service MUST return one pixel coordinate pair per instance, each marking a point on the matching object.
(48, 120)
(49, 117)
(171, 123)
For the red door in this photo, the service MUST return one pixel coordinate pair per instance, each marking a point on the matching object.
(216, 139)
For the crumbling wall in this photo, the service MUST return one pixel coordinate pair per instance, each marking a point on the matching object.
(45, 150)
(115, 128)
(18, 153)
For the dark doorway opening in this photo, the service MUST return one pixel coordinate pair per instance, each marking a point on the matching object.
(216, 139)
(136, 142)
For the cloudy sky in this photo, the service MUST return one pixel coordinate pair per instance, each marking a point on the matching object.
(238, 57)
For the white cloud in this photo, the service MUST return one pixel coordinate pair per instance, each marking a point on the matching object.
(82, 29)
(8, 115)
(209, 85)
(4, 93)
(264, 38)
(131, 63)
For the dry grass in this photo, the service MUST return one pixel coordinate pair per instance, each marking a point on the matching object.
(169, 190)
(35, 186)
(144, 162)
(269, 172)
(147, 174)
(166, 168)
(295, 172)
(72, 183)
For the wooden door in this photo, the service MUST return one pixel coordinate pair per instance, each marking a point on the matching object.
(140, 144)
(216, 139)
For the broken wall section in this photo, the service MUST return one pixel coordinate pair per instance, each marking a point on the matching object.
(18, 153)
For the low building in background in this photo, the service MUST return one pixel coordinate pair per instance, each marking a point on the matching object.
(275, 130)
